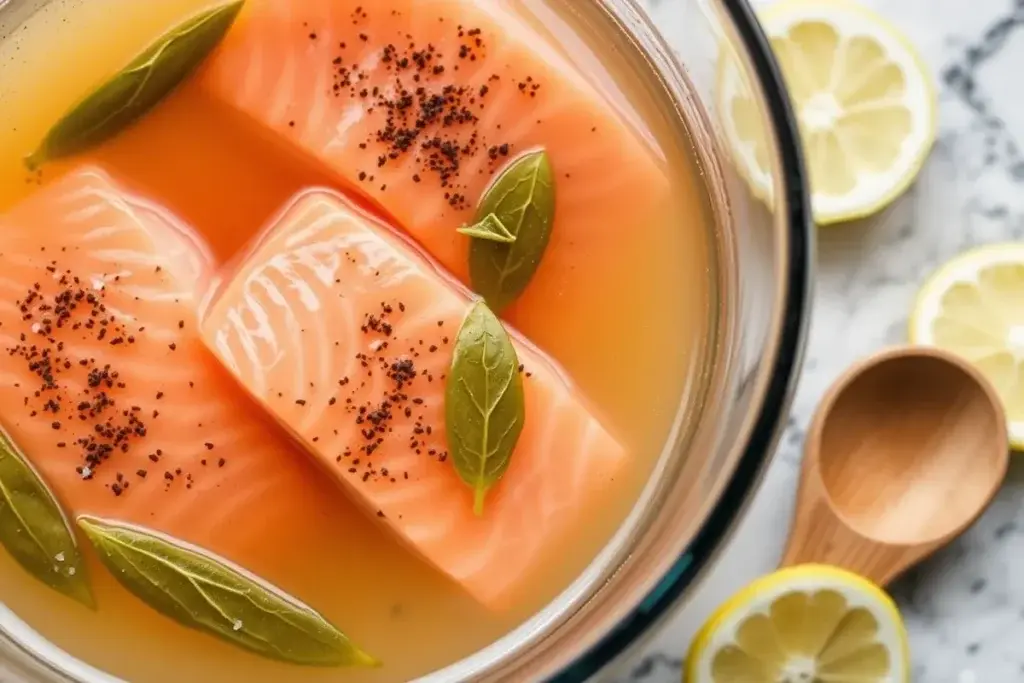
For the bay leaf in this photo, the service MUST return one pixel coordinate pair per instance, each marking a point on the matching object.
(34, 529)
(210, 594)
(522, 199)
(129, 94)
(484, 404)
(489, 228)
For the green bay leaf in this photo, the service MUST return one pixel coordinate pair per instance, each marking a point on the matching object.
(129, 94)
(522, 200)
(34, 529)
(484, 404)
(210, 594)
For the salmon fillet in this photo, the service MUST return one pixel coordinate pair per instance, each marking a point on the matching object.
(344, 331)
(415, 105)
(108, 389)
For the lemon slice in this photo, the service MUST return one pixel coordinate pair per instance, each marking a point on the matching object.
(864, 100)
(974, 307)
(807, 624)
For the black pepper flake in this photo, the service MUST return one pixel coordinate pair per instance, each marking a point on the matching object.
(420, 115)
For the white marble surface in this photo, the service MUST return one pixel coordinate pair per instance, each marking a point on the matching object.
(965, 607)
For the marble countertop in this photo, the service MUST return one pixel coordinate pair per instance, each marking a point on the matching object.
(964, 608)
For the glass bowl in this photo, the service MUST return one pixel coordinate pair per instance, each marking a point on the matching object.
(761, 268)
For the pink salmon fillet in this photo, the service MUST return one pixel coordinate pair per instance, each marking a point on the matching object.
(107, 387)
(344, 332)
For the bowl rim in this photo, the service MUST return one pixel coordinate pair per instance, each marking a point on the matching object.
(785, 367)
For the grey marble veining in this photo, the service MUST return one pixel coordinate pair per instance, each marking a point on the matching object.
(965, 607)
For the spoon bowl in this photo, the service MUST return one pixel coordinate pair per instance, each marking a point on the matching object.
(906, 451)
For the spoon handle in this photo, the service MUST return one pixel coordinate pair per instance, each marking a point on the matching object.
(820, 536)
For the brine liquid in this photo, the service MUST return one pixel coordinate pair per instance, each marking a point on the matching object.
(193, 157)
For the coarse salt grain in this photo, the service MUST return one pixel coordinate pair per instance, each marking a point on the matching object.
(86, 472)
(59, 557)
(238, 625)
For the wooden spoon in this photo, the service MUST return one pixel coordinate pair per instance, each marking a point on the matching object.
(906, 451)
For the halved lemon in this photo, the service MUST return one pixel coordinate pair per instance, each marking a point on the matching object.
(864, 100)
(806, 624)
(974, 307)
